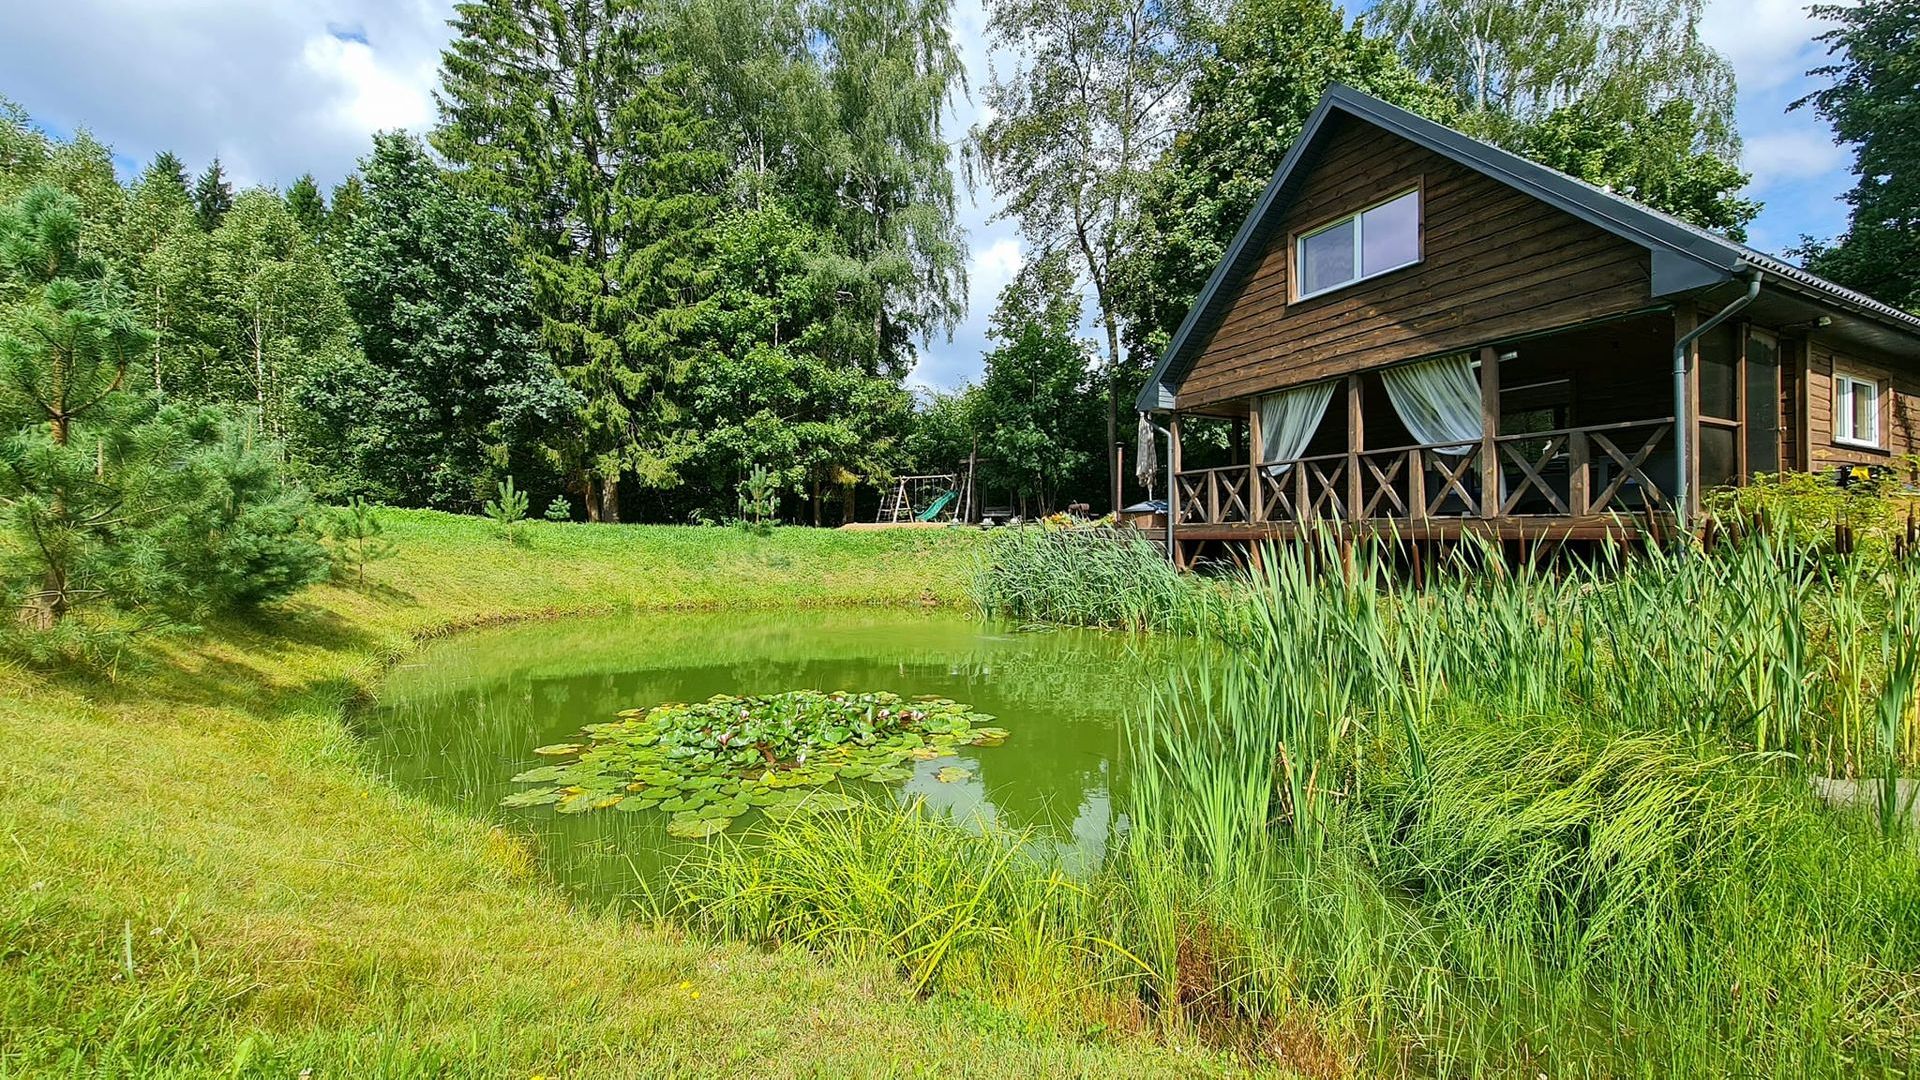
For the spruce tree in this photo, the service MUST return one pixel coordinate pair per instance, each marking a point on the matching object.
(167, 167)
(349, 198)
(166, 265)
(212, 196)
(307, 206)
(558, 112)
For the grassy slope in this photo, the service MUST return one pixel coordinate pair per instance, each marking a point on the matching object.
(199, 872)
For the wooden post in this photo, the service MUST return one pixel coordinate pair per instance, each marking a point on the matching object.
(1489, 431)
(1355, 441)
(1803, 421)
(1256, 506)
(1213, 496)
(1417, 484)
(1300, 503)
(1578, 479)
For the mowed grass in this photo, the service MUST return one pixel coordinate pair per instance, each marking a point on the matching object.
(201, 874)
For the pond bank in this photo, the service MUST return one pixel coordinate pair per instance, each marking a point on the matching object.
(204, 873)
(459, 719)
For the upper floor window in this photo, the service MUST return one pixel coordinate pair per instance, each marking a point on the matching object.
(1373, 241)
(1856, 410)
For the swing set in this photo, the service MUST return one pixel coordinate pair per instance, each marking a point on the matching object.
(933, 497)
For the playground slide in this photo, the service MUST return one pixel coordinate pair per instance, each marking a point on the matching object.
(939, 504)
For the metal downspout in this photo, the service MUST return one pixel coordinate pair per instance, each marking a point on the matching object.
(1681, 349)
(1170, 483)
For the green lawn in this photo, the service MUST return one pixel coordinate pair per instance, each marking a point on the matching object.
(199, 873)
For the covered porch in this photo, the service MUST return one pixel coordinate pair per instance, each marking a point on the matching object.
(1568, 435)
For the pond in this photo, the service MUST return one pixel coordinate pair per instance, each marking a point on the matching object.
(461, 718)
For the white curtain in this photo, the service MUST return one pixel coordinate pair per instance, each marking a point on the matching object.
(1288, 421)
(1146, 457)
(1438, 400)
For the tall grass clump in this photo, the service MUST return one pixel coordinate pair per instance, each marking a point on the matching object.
(1092, 577)
(956, 910)
(1532, 820)
(1550, 817)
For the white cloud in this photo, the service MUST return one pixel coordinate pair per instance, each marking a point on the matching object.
(995, 267)
(370, 97)
(1789, 155)
(1770, 42)
(274, 90)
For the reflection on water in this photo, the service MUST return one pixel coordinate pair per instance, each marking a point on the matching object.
(461, 719)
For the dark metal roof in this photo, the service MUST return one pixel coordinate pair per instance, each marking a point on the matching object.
(1686, 258)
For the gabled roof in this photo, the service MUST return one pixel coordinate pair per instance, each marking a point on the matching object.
(1686, 258)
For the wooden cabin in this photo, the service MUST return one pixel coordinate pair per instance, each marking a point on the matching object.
(1416, 330)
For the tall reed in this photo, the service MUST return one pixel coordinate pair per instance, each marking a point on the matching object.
(1112, 578)
(1546, 818)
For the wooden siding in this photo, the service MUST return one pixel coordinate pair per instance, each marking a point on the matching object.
(1899, 408)
(1496, 263)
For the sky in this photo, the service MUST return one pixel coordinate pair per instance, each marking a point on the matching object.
(276, 89)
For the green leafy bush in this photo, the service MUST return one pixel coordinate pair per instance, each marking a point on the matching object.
(1872, 513)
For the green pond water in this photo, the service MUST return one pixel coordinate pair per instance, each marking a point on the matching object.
(463, 716)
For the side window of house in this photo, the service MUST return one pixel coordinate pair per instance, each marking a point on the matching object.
(1382, 237)
(1856, 410)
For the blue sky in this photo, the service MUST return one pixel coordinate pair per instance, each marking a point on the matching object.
(277, 89)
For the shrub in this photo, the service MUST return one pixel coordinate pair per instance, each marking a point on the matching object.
(1872, 513)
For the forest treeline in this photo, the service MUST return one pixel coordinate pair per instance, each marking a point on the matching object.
(654, 245)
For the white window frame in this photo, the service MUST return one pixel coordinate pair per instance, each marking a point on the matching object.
(1845, 385)
(1419, 242)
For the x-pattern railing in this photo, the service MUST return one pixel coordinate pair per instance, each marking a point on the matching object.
(1539, 473)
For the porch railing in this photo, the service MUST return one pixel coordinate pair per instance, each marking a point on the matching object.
(1568, 472)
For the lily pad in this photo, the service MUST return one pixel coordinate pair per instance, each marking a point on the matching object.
(697, 828)
(952, 773)
(715, 760)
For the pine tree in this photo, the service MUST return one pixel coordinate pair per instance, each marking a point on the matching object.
(105, 497)
(66, 350)
(307, 205)
(212, 196)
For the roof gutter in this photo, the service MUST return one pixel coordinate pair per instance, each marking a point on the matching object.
(1682, 350)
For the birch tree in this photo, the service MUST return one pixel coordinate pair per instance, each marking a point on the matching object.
(1094, 92)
